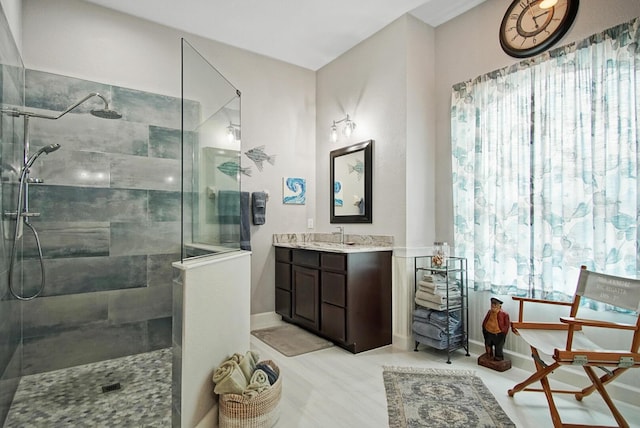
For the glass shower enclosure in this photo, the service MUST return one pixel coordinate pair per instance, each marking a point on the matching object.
(211, 167)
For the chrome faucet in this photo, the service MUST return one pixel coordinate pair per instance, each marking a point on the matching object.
(341, 233)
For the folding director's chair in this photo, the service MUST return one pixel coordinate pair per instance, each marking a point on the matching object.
(567, 344)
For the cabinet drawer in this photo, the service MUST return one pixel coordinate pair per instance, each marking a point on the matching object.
(333, 322)
(306, 258)
(283, 276)
(283, 254)
(334, 261)
(334, 288)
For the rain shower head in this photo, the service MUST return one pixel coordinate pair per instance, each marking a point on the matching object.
(106, 113)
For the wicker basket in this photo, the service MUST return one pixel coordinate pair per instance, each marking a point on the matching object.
(261, 411)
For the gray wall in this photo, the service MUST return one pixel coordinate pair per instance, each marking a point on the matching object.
(109, 225)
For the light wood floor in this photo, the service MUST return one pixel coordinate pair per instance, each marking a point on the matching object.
(334, 388)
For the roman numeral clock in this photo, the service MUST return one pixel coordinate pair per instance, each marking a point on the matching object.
(533, 26)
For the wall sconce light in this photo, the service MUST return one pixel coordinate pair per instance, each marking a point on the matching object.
(233, 132)
(349, 126)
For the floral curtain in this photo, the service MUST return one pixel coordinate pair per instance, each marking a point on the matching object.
(545, 161)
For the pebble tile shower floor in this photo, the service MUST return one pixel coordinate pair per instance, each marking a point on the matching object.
(73, 397)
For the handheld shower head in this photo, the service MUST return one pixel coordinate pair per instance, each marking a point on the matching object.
(50, 148)
(46, 150)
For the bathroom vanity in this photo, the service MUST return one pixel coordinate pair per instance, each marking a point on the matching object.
(338, 291)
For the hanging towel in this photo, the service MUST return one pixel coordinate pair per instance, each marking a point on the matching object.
(245, 226)
(259, 205)
(229, 215)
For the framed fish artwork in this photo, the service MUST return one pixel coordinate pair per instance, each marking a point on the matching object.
(258, 156)
(294, 191)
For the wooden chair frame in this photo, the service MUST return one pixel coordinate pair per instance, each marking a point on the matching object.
(617, 291)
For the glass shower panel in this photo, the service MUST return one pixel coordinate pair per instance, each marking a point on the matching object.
(211, 169)
(11, 152)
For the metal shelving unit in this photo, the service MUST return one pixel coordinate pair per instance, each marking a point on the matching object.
(454, 273)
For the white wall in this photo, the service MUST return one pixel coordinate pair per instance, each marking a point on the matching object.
(13, 12)
(82, 40)
(371, 83)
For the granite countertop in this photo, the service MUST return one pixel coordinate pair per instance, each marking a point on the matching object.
(330, 242)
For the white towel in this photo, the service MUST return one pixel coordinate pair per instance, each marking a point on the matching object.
(436, 298)
(246, 362)
(229, 379)
(259, 382)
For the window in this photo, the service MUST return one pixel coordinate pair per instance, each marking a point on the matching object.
(546, 165)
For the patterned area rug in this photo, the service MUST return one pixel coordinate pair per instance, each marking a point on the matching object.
(291, 340)
(440, 398)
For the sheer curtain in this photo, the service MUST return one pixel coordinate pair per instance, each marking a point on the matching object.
(545, 162)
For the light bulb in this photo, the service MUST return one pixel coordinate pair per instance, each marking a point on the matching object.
(349, 126)
(231, 137)
(334, 132)
(547, 4)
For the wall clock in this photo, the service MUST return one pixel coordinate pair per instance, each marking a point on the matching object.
(533, 26)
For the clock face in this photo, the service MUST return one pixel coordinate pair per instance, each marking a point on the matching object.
(530, 27)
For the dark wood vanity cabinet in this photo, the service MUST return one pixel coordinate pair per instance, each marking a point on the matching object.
(344, 297)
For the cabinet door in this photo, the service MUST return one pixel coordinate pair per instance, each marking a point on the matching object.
(306, 287)
(334, 322)
(283, 303)
(283, 276)
(283, 289)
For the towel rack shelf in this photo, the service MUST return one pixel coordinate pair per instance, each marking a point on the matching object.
(441, 311)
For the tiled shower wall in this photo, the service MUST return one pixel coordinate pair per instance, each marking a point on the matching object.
(109, 224)
(11, 83)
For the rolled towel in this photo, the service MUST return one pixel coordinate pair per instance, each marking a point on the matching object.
(271, 373)
(259, 382)
(247, 363)
(229, 379)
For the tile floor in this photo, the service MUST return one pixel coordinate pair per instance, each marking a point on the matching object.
(73, 397)
(331, 388)
(334, 388)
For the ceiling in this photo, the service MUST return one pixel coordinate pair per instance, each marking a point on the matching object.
(307, 33)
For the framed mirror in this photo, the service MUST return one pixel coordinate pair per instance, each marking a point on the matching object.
(351, 183)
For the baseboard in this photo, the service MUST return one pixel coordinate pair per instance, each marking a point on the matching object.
(210, 420)
(265, 320)
(404, 343)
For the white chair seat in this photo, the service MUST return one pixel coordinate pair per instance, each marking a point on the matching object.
(546, 341)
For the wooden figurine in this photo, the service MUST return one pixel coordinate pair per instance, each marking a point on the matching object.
(495, 326)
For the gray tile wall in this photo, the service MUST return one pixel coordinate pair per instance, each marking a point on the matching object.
(109, 224)
(11, 131)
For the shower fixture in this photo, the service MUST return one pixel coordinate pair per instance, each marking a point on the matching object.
(22, 213)
(104, 113)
